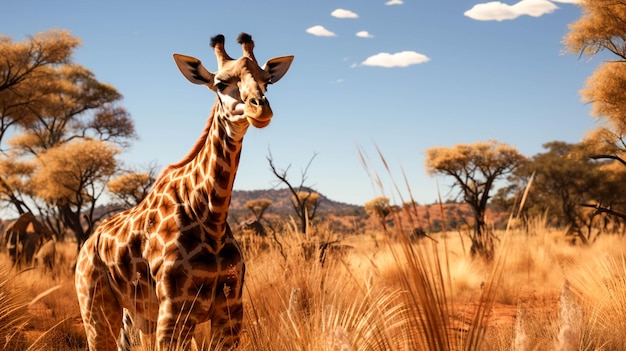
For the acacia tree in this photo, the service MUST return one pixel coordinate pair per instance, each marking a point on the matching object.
(380, 208)
(258, 207)
(601, 28)
(130, 187)
(566, 178)
(14, 188)
(50, 102)
(26, 68)
(475, 168)
(26, 72)
(71, 178)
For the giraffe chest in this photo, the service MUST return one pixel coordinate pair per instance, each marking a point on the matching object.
(191, 266)
(146, 270)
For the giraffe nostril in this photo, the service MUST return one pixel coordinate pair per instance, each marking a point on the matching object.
(258, 102)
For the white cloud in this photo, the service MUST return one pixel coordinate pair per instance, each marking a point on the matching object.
(498, 11)
(568, 1)
(341, 13)
(364, 34)
(320, 31)
(400, 59)
(394, 2)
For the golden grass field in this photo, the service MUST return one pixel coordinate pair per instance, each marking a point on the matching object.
(539, 293)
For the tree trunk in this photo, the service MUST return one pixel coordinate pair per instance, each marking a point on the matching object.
(71, 220)
(482, 241)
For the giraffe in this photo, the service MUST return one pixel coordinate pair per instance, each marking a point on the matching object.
(172, 261)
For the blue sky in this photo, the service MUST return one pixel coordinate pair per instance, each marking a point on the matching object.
(403, 75)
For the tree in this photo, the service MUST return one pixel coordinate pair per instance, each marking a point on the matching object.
(71, 177)
(304, 200)
(606, 92)
(601, 28)
(380, 208)
(14, 176)
(566, 178)
(258, 207)
(50, 102)
(132, 187)
(475, 168)
(26, 69)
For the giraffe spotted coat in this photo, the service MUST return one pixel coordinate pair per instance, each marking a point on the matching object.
(172, 261)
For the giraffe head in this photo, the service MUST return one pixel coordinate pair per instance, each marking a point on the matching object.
(240, 83)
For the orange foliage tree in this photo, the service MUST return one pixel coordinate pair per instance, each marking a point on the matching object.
(380, 208)
(475, 169)
(132, 187)
(601, 28)
(71, 175)
(50, 103)
(258, 207)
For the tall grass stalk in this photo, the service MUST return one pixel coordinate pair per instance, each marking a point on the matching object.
(13, 317)
(424, 277)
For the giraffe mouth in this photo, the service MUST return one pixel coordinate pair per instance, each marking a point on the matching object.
(259, 123)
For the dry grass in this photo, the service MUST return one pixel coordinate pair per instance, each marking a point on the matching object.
(382, 294)
(13, 304)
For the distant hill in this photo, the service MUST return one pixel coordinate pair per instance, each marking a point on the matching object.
(429, 216)
(281, 203)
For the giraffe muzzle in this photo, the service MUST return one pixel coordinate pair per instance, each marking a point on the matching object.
(258, 112)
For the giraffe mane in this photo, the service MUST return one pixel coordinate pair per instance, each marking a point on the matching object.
(194, 150)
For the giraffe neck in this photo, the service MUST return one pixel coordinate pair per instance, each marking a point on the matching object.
(207, 174)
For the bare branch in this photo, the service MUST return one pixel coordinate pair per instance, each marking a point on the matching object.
(600, 209)
(611, 157)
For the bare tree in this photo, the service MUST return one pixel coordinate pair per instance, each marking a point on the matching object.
(305, 201)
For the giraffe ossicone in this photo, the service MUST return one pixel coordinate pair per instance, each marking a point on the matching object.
(171, 261)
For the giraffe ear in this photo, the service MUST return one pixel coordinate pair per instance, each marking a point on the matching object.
(277, 67)
(194, 71)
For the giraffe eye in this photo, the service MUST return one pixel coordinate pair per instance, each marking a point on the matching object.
(220, 86)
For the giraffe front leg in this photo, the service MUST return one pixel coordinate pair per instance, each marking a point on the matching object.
(225, 330)
(101, 314)
(227, 318)
(174, 329)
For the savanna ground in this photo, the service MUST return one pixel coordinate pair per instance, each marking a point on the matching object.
(539, 293)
